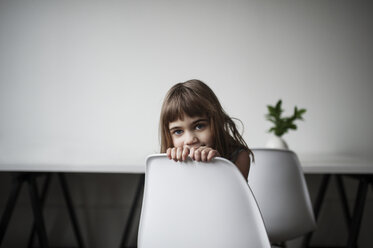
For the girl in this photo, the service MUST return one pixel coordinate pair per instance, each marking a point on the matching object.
(194, 123)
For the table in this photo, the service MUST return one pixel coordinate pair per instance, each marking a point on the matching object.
(358, 168)
(27, 173)
(74, 168)
(335, 164)
(327, 165)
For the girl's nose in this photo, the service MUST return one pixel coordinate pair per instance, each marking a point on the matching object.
(191, 138)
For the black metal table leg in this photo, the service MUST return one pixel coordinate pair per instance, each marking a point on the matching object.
(42, 202)
(70, 208)
(342, 195)
(137, 199)
(317, 206)
(358, 212)
(38, 215)
(37, 204)
(12, 199)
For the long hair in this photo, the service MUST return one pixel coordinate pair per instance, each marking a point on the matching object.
(195, 98)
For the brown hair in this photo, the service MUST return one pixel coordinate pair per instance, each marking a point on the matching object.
(195, 98)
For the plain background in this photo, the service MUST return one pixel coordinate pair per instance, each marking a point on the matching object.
(82, 82)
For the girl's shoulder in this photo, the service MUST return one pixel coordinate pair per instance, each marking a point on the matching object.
(236, 151)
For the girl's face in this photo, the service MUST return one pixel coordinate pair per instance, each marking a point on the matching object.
(191, 132)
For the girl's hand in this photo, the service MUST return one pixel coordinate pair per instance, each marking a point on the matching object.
(202, 153)
(178, 153)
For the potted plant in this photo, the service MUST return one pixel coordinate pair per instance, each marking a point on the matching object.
(281, 124)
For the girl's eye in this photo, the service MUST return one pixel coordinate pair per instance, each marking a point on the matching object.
(200, 126)
(178, 132)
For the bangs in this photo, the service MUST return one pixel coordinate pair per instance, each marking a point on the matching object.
(182, 103)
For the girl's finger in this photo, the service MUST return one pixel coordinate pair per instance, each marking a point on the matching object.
(191, 153)
(197, 155)
(178, 153)
(173, 153)
(168, 153)
(212, 154)
(205, 153)
(185, 153)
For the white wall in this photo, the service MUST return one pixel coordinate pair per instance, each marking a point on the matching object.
(83, 81)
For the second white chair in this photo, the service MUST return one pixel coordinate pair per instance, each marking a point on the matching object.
(278, 184)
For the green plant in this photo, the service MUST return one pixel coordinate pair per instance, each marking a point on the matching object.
(283, 124)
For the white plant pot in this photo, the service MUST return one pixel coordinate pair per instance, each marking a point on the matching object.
(277, 143)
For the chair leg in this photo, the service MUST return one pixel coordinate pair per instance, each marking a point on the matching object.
(70, 208)
(42, 201)
(12, 199)
(38, 215)
(137, 199)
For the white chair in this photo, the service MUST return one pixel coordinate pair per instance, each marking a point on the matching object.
(196, 204)
(279, 187)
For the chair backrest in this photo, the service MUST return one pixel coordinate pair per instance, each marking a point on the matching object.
(279, 186)
(196, 204)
